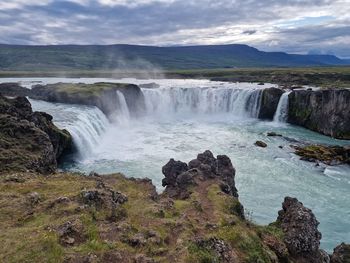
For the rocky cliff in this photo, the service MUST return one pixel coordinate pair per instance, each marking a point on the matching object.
(323, 111)
(269, 103)
(29, 140)
(102, 95)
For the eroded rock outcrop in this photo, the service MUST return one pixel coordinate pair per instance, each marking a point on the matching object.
(323, 111)
(29, 141)
(102, 95)
(301, 235)
(341, 254)
(11, 89)
(179, 176)
(269, 102)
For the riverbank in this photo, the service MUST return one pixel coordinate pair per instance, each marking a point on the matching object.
(325, 77)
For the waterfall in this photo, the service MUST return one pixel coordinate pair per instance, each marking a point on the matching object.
(169, 101)
(86, 130)
(85, 124)
(122, 115)
(281, 114)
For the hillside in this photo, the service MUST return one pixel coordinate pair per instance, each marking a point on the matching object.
(94, 57)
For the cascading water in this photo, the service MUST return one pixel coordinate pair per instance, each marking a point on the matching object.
(281, 114)
(122, 115)
(169, 101)
(85, 124)
(141, 148)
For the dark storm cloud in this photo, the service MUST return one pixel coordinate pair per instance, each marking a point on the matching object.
(249, 32)
(293, 26)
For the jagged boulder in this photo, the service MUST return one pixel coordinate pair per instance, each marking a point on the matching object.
(269, 102)
(29, 140)
(179, 176)
(301, 235)
(172, 170)
(341, 254)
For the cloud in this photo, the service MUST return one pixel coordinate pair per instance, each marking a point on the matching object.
(290, 25)
(249, 32)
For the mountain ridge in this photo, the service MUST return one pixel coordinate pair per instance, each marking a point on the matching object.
(121, 56)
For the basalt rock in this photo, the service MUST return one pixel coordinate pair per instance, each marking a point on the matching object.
(269, 103)
(260, 144)
(13, 90)
(100, 198)
(172, 170)
(323, 111)
(179, 176)
(29, 141)
(341, 254)
(222, 251)
(330, 155)
(102, 95)
(301, 235)
(71, 233)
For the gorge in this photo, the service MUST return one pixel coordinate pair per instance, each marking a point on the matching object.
(131, 132)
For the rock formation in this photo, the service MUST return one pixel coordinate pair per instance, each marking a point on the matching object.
(29, 140)
(179, 176)
(330, 155)
(101, 95)
(13, 90)
(301, 235)
(269, 103)
(323, 111)
(341, 254)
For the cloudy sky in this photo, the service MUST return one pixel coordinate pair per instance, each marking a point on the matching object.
(294, 26)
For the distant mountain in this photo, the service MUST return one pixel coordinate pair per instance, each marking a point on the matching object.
(98, 57)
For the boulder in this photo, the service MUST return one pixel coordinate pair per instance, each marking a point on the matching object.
(260, 144)
(301, 235)
(172, 170)
(179, 176)
(323, 111)
(71, 233)
(273, 134)
(341, 254)
(269, 102)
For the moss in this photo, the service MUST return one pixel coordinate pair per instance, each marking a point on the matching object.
(199, 254)
(272, 229)
(86, 90)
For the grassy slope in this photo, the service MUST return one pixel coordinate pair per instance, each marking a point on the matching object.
(28, 231)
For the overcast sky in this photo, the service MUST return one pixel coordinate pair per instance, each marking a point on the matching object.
(310, 26)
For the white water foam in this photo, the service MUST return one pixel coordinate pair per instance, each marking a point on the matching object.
(281, 114)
